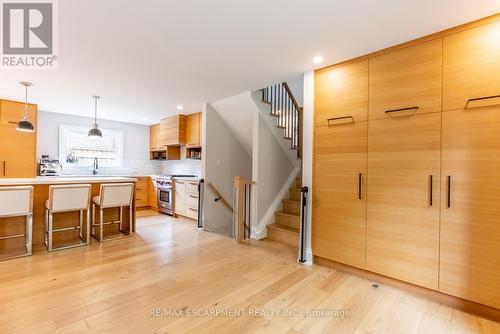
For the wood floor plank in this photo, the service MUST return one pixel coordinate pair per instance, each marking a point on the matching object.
(123, 286)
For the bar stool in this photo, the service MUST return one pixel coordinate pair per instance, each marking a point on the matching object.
(67, 198)
(18, 202)
(113, 195)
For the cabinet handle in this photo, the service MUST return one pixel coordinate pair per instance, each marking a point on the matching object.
(448, 199)
(179, 182)
(4, 167)
(482, 98)
(360, 187)
(193, 209)
(328, 120)
(400, 109)
(430, 189)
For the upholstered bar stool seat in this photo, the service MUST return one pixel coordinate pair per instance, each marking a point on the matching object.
(18, 202)
(112, 195)
(67, 198)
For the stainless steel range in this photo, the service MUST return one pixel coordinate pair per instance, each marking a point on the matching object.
(165, 194)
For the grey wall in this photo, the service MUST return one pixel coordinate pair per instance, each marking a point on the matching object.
(224, 158)
(274, 168)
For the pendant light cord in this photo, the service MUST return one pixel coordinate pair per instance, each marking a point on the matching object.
(95, 109)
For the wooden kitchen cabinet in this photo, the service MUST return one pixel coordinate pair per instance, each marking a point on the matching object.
(152, 194)
(141, 192)
(17, 149)
(407, 81)
(341, 94)
(471, 68)
(339, 229)
(180, 197)
(470, 213)
(193, 130)
(154, 138)
(173, 131)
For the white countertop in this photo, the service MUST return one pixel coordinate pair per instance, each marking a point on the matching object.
(64, 180)
(189, 179)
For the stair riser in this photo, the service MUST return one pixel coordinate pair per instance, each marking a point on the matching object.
(292, 207)
(294, 195)
(287, 220)
(285, 237)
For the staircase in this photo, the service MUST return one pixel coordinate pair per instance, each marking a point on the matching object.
(286, 226)
(288, 114)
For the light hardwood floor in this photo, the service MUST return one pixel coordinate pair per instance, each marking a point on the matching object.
(114, 287)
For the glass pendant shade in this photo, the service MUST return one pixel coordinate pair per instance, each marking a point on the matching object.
(25, 125)
(95, 132)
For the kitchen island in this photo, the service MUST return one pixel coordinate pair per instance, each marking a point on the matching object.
(15, 225)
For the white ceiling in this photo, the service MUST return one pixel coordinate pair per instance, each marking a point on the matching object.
(145, 57)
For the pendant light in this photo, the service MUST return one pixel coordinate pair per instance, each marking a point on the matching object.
(25, 125)
(95, 132)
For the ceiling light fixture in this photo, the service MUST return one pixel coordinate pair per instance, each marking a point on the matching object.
(95, 132)
(179, 107)
(25, 125)
(318, 59)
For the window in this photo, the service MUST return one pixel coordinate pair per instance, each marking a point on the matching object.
(76, 148)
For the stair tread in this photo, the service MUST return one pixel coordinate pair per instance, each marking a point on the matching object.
(284, 228)
(289, 214)
(291, 201)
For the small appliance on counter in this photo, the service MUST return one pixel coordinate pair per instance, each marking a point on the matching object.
(48, 167)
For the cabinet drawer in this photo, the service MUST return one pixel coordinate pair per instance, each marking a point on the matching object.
(141, 201)
(192, 201)
(192, 213)
(192, 188)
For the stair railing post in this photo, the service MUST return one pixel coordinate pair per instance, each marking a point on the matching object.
(303, 212)
(239, 186)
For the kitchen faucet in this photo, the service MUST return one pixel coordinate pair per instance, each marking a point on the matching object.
(96, 167)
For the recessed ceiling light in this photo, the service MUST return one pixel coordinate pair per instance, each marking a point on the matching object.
(318, 59)
(180, 107)
(144, 119)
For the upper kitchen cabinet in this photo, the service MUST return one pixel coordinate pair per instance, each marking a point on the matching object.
(17, 149)
(193, 130)
(154, 138)
(471, 68)
(173, 130)
(341, 94)
(407, 81)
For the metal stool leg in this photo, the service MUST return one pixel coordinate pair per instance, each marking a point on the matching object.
(93, 220)
(88, 225)
(50, 232)
(46, 234)
(121, 219)
(130, 220)
(29, 234)
(80, 213)
(101, 224)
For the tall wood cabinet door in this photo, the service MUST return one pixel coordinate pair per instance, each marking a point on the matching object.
(17, 153)
(471, 68)
(12, 112)
(180, 197)
(470, 222)
(406, 81)
(403, 198)
(339, 226)
(341, 92)
(193, 130)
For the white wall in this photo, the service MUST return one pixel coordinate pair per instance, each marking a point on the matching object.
(223, 159)
(273, 169)
(297, 87)
(307, 154)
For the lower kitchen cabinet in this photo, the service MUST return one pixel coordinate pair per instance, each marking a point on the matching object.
(402, 238)
(186, 198)
(152, 194)
(470, 210)
(141, 192)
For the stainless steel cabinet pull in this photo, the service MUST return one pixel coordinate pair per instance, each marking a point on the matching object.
(360, 187)
(430, 190)
(401, 109)
(448, 199)
(4, 165)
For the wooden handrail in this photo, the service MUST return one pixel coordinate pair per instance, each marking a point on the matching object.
(219, 196)
(290, 94)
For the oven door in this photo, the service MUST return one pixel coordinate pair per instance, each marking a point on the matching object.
(165, 200)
